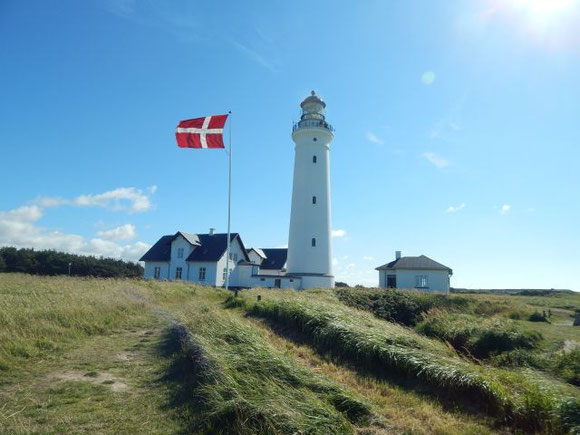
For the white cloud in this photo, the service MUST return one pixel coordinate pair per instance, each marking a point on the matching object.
(453, 208)
(253, 56)
(107, 248)
(505, 208)
(334, 261)
(128, 199)
(338, 233)
(428, 78)
(368, 258)
(124, 232)
(437, 160)
(371, 137)
(19, 228)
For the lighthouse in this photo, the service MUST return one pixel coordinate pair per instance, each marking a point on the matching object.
(309, 240)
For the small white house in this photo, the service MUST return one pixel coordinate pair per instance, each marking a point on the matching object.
(201, 258)
(420, 273)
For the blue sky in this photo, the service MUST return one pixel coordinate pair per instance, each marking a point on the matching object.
(457, 128)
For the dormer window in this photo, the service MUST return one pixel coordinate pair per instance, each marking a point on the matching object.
(179, 252)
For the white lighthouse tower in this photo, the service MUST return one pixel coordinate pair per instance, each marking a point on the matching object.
(309, 241)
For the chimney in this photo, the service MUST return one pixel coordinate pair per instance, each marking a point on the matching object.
(397, 255)
(211, 231)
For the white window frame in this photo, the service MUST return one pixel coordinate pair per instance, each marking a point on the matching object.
(421, 281)
(179, 252)
(201, 275)
(157, 272)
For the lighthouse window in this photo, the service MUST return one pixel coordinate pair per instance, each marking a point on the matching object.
(313, 159)
(313, 200)
(314, 139)
(313, 242)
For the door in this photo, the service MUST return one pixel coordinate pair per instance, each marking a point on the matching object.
(391, 281)
(277, 283)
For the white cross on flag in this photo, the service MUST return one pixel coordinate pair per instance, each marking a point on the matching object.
(201, 132)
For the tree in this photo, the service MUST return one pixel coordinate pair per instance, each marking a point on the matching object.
(49, 262)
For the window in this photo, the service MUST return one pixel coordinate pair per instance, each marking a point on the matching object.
(313, 242)
(179, 252)
(313, 200)
(202, 273)
(157, 273)
(314, 139)
(178, 273)
(313, 159)
(234, 257)
(421, 281)
(225, 273)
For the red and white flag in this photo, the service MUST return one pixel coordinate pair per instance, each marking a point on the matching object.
(201, 132)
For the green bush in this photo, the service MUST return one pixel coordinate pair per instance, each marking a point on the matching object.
(477, 336)
(536, 316)
(404, 307)
(567, 365)
(518, 358)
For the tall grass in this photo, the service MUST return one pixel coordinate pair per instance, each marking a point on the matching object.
(389, 349)
(41, 315)
(475, 335)
(242, 384)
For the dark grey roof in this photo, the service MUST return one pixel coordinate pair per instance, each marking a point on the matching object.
(160, 251)
(419, 263)
(213, 246)
(209, 247)
(275, 258)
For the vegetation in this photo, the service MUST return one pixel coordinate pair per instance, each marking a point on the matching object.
(133, 356)
(480, 337)
(245, 385)
(52, 263)
(382, 347)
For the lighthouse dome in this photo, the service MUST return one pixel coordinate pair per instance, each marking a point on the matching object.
(312, 100)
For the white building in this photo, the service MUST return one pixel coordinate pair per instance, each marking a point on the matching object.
(201, 259)
(420, 273)
(309, 240)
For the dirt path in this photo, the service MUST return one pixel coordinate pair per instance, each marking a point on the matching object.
(109, 384)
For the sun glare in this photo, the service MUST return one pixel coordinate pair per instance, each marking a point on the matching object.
(543, 13)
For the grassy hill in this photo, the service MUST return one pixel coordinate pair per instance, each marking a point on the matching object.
(128, 356)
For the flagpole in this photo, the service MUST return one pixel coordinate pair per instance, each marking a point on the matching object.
(229, 205)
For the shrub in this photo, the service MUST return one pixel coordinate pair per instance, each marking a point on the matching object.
(536, 316)
(405, 307)
(567, 365)
(518, 358)
(476, 336)
(391, 305)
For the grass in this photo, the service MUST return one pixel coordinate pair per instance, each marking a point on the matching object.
(242, 384)
(532, 404)
(476, 336)
(101, 355)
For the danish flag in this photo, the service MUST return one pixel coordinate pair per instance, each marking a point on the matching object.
(201, 132)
